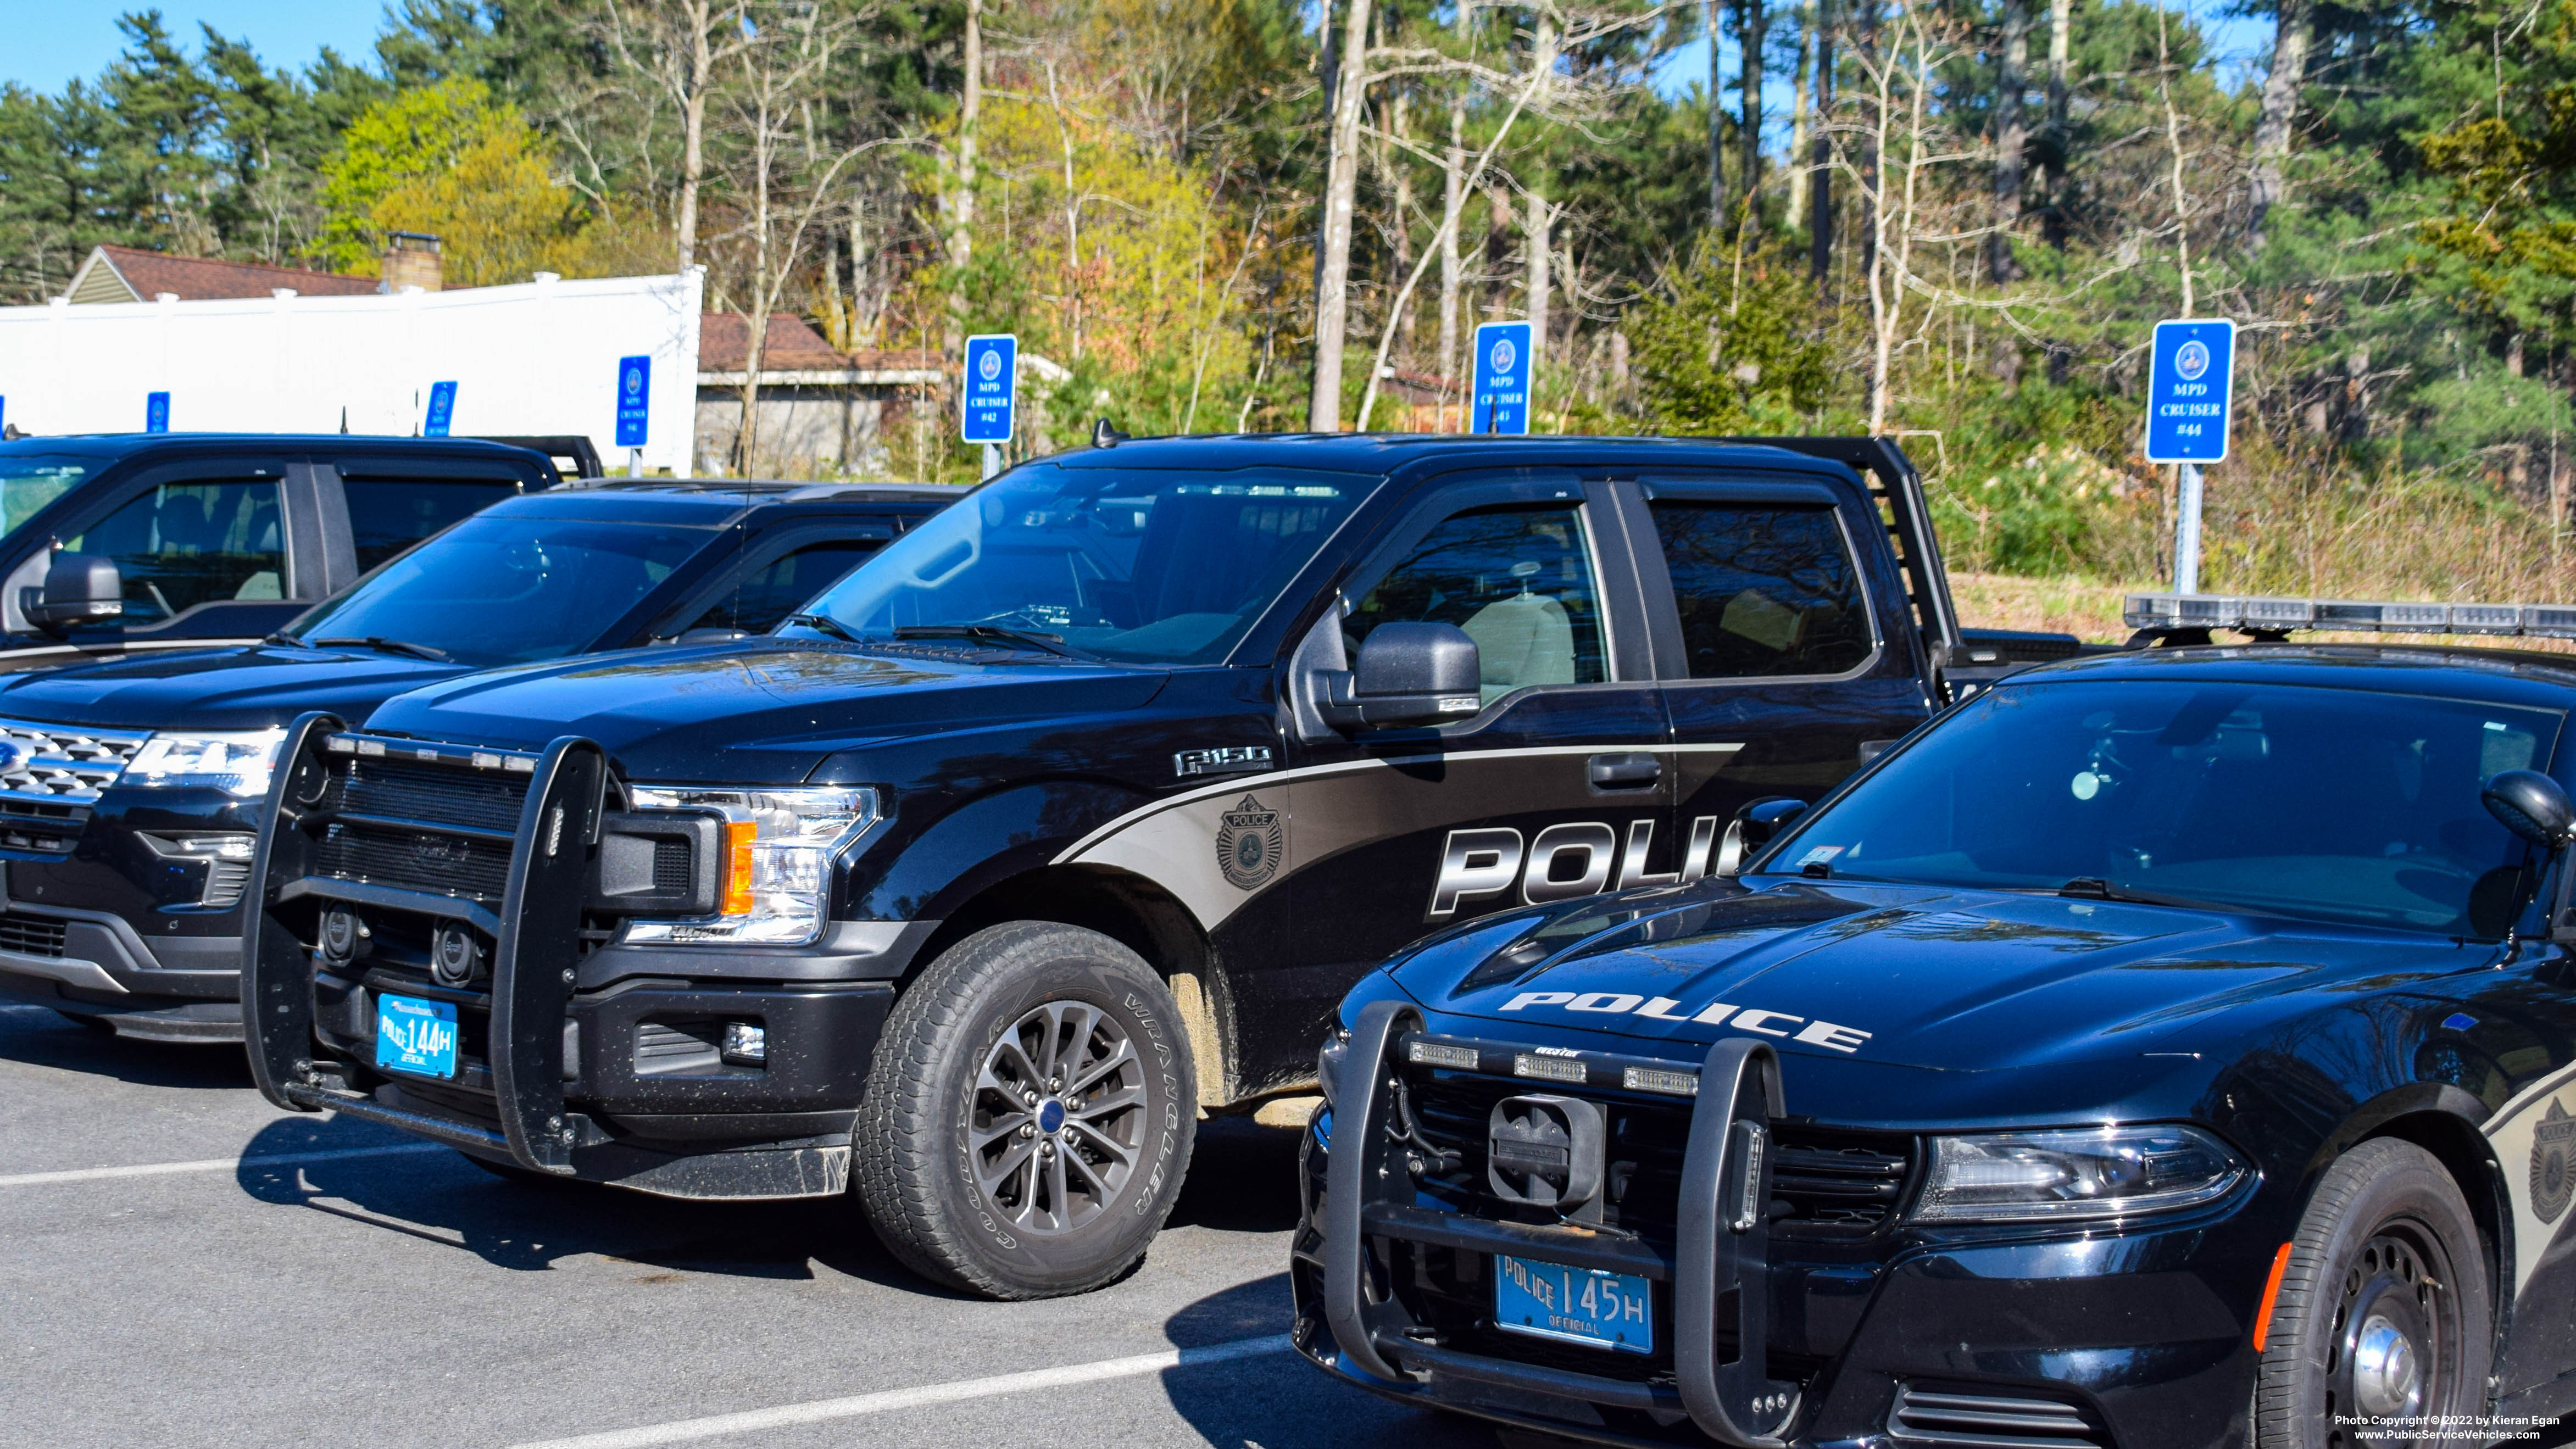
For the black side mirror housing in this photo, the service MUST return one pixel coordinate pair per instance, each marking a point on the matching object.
(1751, 828)
(2533, 806)
(1407, 675)
(80, 588)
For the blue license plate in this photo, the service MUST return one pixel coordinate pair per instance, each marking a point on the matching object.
(416, 1036)
(1578, 1305)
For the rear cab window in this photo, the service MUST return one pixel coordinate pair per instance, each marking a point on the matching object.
(1763, 587)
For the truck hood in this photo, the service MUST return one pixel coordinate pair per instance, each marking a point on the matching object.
(762, 712)
(248, 687)
(1930, 978)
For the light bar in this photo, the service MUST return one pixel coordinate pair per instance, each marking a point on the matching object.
(2229, 611)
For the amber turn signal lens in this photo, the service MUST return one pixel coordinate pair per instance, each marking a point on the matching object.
(737, 884)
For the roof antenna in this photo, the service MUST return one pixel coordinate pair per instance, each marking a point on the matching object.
(1105, 436)
(344, 417)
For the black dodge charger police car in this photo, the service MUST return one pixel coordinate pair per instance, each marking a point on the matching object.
(2170, 1048)
(130, 786)
(1071, 814)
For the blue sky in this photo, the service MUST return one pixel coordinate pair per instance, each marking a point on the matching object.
(50, 42)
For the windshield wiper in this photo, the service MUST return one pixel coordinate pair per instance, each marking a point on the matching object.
(288, 639)
(989, 633)
(390, 646)
(824, 624)
(2095, 888)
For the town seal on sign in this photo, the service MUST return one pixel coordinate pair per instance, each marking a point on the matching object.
(2553, 1163)
(1249, 843)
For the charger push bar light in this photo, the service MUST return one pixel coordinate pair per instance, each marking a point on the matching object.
(2227, 611)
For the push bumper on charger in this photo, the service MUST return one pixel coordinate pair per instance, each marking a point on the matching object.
(1716, 1278)
(530, 888)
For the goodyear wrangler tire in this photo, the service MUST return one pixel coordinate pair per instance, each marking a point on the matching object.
(2384, 1309)
(1029, 1114)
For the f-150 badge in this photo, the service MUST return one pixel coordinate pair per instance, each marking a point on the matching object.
(1249, 843)
(2553, 1163)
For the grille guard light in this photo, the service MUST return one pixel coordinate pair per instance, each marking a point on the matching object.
(2231, 611)
(779, 846)
(2076, 1174)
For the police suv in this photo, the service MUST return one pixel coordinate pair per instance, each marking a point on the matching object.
(1074, 812)
(2169, 1048)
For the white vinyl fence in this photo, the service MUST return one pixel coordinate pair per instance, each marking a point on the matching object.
(537, 357)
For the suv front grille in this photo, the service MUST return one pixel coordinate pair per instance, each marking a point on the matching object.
(394, 838)
(31, 935)
(50, 775)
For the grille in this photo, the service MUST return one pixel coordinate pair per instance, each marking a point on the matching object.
(671, 866)
(31, 935)
(381, 851)
(50, 775)
(677, 1046)
(225, 881)
(1836, 1184)
(1976, 1417)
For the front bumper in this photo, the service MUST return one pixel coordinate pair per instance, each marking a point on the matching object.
(1889, 1339)
(575, 1058)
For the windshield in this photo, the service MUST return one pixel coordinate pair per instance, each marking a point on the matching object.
(497, 590)
(29, 481)
(1130, 565)
(2334, 804)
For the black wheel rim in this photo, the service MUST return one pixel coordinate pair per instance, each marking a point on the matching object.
(2396, 1338)
(1058, 1124)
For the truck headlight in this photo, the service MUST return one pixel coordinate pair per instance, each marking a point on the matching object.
(2075, 1173)
(237, 763)
(777, 879)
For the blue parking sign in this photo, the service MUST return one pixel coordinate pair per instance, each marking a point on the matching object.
(442, 410)
(2187, 391)
(1504, 365)
(156, 412)
(634, 400)
(992, 385)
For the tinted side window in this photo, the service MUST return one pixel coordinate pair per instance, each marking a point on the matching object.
(1517, 580)
(767, 595)
(388, 515)
(1762, 589)
(184, 544)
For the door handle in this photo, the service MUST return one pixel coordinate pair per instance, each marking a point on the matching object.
(1627, 770)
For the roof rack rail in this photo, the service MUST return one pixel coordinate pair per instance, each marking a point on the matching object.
(2188, 618)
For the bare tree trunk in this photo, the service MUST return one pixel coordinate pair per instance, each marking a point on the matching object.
(693, 129)
(1798, 114)
(1541, 217)
(1751, 30)
(1716, 121)
(1820, 169)
(2173, 141)
(2280, 110)
(2012, 61)
(1398, 159)
(2053, 153)
(1341, 190)
(1453, 200)
(960, 200)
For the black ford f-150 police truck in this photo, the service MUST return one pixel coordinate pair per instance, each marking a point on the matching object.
(130, 785)
(2162, 1050)
(1073, 812)
(145, 541)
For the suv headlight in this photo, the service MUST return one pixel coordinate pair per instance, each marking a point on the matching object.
(779, 846)
(2075, 1173)
(238, 763)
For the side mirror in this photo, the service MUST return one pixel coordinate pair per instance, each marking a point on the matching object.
(1407, 674)
(1751, 828)
(2533, 806)
(80, 588)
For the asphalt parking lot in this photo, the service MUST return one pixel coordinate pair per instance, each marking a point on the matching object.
(181, 1263)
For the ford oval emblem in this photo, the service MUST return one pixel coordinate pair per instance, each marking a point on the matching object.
(13, 756)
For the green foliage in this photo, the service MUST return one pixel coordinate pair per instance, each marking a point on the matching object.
(1731, 349)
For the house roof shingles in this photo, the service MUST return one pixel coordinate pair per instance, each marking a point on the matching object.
(792, 345)
(199, 279)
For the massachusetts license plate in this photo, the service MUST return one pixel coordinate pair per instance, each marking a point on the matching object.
(416, 1036)
(1580, 1305)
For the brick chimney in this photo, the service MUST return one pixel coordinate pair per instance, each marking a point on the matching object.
(412, 260)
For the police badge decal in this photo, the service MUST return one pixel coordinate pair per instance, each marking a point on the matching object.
(2553, 1163)
(1249, 843)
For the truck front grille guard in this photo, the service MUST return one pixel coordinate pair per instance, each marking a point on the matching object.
(537, 927)
(1720, 1266)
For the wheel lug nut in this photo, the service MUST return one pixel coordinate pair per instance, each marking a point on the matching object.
(1055, 1084)
(1028, 1129)
(1046, 1149)
(1031, 1098)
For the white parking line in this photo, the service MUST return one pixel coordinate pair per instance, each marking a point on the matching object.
(212, 1164)
(755, 1420)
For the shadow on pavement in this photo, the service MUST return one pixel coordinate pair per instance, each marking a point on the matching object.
(446, 1198)
(1243, 1178)
(1280, 1401)
(43, 1038)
